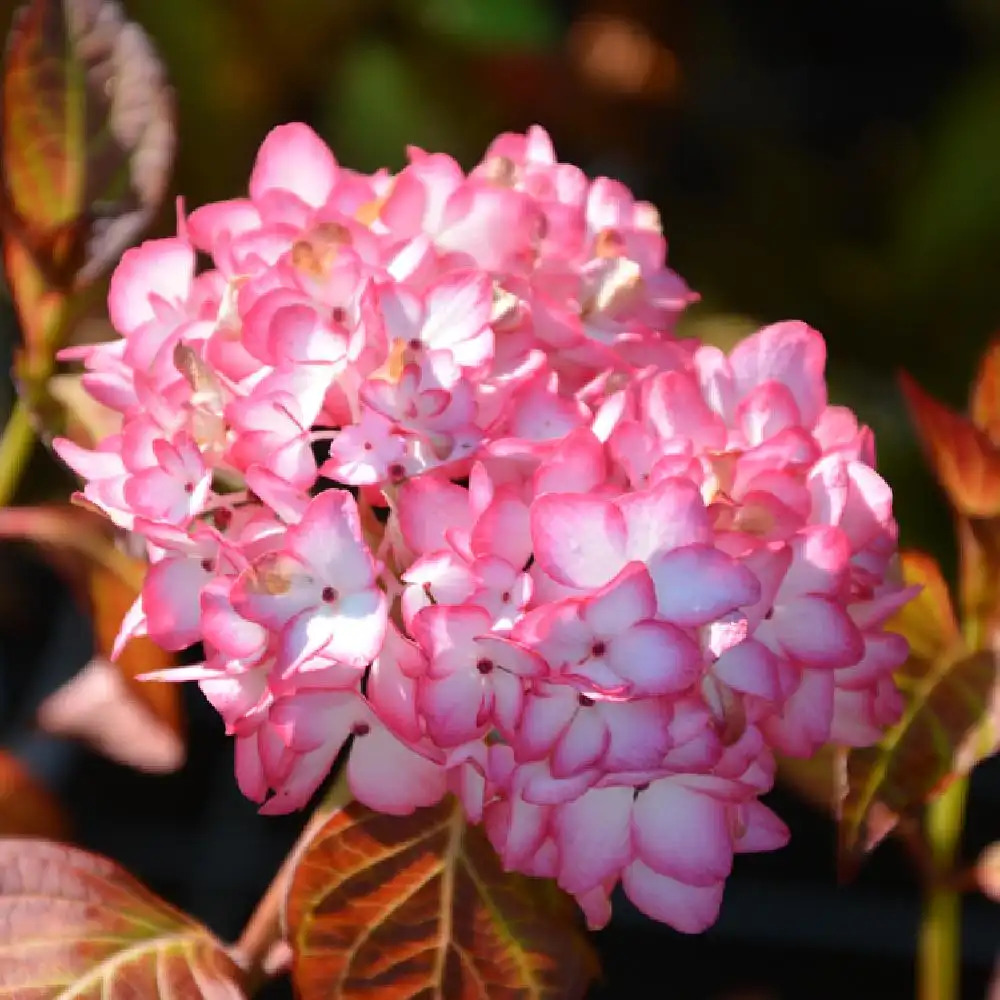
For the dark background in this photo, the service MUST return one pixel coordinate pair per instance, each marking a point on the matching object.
(838, 163)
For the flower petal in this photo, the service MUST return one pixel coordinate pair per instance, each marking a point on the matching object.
(819, 632)
(682, 834)
(592, 834)
(329, 539)
(669, 515)
(762, 829)
(164, 268)
(687, 908)
(387, 776)
(295, 159)
(750, 667)
(451, 706)
(697, 584)
(627, 599)
(428, 507)
(578, 540)
(581, 746)
(655, 658)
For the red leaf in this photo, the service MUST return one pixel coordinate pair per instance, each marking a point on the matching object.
(928, 620)
(134, 722)
(962, 456)
(27, 809)
(951, 704)
(951, 719)
(88, 132)
(418, 906)
(985, 402)
(86, 147)
(73, 924)
(110, 598)
(979, 578)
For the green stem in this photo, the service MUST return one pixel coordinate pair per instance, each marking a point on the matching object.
(940, 948)
(15, 449)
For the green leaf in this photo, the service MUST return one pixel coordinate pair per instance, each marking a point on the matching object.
(949, 215)
(419, 907)
(75, 925)
(489, 24)
(378, 83)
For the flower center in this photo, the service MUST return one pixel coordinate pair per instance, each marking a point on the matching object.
(222, 517)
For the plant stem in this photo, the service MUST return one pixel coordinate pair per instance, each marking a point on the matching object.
(258, 951)
(15, 449)
(940, 947)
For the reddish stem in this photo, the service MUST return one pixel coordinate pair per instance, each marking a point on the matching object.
(262, 951)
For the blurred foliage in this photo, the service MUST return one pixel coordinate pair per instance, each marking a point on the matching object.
(27, 809)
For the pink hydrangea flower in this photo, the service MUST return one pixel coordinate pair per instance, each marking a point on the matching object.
(422, 467)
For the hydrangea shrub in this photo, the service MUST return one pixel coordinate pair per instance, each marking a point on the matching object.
(421, 465)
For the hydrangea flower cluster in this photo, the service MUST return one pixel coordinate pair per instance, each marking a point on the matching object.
(420, 464)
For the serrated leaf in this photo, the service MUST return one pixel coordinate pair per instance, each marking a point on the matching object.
(75, 925)
(88, 134)
(419, 907)
(27, 808)
(950, 721)
(963, 458)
